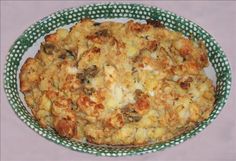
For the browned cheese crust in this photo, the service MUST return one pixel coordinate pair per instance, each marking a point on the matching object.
(118, 83)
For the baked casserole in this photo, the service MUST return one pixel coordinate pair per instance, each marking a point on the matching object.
(118, 83)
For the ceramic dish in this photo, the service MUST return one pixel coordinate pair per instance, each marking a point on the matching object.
(28, 43)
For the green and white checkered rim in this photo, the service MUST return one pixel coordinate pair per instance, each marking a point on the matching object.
(113, 10)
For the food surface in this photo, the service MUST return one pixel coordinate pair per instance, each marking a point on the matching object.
(118, 83)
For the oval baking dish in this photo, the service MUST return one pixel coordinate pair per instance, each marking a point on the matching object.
(30, 38)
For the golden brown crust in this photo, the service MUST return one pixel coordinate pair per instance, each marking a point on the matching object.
(118, 83)
(29, 74)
